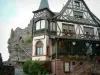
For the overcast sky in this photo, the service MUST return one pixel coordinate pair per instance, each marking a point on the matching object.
(18, 13)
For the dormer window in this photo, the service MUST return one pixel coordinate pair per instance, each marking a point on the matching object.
(40, 24)
(77, 4)
(78, 14)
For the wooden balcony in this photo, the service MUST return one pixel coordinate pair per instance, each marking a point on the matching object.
(73, 35)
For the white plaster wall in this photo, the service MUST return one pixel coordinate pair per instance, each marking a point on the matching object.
(60, 26)
(39, 58)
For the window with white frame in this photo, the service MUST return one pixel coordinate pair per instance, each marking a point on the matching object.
(39, 48)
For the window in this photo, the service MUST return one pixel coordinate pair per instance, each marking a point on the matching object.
(66, 67)
(46, 24)
(99, 33)
(68, 29)
(89, 30)
(78, 14)
(77, 4)
(53, 26)
(40, 24)
(39, 48)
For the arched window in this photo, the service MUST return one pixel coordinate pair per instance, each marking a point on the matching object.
(39, 48)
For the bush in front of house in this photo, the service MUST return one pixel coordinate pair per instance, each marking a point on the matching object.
(26, 66)
(37, 67)
(34, 67)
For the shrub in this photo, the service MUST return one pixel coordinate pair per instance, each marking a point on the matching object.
(26, 66)
(28, 40)
(37, 67)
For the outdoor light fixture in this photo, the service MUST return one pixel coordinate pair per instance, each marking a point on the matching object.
(87, 44)
(97, 45)
(74, 43)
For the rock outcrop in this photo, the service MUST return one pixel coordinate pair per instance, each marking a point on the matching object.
(20, 43)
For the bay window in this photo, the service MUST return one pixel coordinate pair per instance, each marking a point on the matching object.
(40, 24)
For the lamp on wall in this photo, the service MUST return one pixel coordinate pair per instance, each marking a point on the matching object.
(87, 44)
(97, 45)
(73, 43)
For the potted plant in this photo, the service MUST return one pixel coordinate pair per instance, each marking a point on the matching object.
(93, 70)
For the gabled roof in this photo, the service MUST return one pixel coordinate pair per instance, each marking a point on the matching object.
(44, 4)
(68, 10)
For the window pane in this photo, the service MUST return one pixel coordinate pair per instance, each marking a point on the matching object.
(38, 25)
(98, 30)
(39, 47)
(54, 27)
(78, 14)
(42, 24)
(46, 24)
(37, 51)
(40, 51)
(89, 30)
(51, 26)
(68, 27)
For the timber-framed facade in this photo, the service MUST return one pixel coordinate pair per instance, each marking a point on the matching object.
(72, 31)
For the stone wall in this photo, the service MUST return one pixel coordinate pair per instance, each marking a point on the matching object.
(75, 67)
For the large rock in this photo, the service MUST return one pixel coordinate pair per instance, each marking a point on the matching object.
(20, 37)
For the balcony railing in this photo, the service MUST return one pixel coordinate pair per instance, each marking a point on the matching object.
(78, 36)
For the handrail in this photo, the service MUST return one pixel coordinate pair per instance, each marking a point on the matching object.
(77, 36)
(24, 50)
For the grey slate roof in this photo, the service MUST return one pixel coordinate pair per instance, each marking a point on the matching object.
(44, 4)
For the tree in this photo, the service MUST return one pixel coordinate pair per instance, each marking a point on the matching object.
(37, 67)
(26, 66)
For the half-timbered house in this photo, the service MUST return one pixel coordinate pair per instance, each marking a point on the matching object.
(75, 30)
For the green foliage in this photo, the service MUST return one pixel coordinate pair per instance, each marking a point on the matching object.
(76, 57)
(28, 40)
(26, 66)
(34, 67)
(37, 67)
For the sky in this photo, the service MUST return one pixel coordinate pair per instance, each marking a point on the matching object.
(18, 13)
